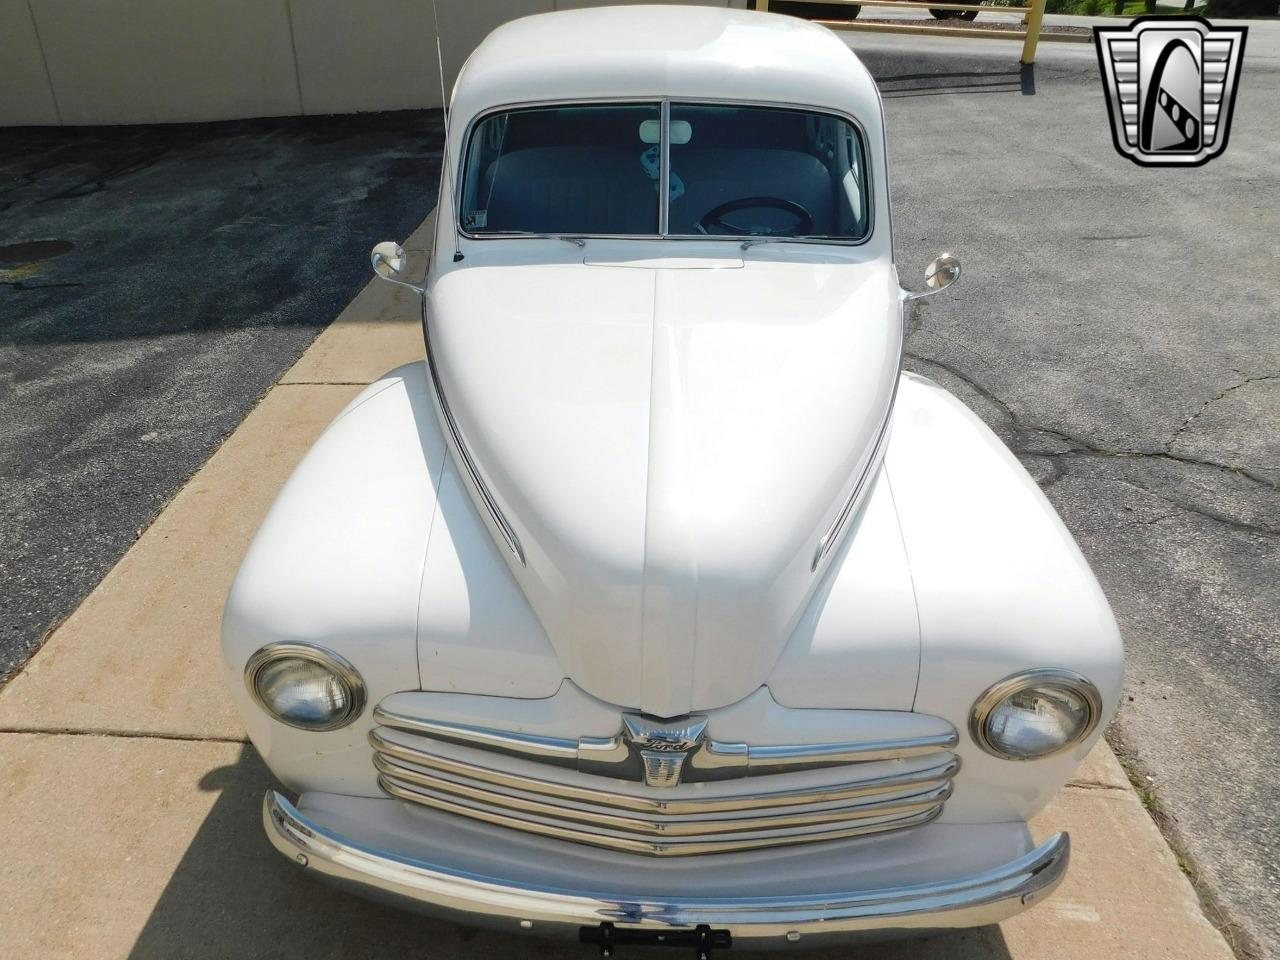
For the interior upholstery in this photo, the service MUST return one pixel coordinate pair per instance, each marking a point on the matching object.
(716, 175)
(582, 189)
(573, 189)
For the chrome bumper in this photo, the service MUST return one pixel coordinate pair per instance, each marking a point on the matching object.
(968, 901)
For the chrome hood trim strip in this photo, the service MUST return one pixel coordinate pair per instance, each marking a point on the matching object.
(500, 521)
(973, 900)
(832, 536)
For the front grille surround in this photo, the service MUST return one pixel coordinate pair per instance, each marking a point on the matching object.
(885, 792)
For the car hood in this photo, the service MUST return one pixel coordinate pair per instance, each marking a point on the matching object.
(669, 446)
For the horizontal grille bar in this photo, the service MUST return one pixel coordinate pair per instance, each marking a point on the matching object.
(942, 771)
(710, 760)
(662, 824)
(662, 848)
(571, 809)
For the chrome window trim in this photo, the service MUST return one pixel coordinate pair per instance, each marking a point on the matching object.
(499, 519)
(665, 196)
(664, 182)
(339, 666)
(1024, 680)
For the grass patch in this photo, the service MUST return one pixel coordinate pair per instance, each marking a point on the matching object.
(1150, 802)
(1241, 944)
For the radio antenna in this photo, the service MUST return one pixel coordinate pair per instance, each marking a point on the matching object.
(444, 109)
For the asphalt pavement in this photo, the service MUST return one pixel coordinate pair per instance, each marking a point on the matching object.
(1117, 325)
(154, 282)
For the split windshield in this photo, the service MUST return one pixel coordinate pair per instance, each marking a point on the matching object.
(597, 170)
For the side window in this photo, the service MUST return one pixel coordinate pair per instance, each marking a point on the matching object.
(482, 166)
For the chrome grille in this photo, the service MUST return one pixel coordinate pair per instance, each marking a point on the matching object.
(887, 791)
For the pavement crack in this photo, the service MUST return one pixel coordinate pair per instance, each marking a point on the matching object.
(115, 171)
(973, 384)
(1022, 437)
(1096, 785)
(1212, 400)
(119, 734)
(21, 286)
(1205, 512)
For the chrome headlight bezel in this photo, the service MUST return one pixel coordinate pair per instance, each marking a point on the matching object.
(1026, 680)
(340, 668)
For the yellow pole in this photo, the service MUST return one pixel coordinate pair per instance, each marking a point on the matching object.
(762, 5)
(1033, 31)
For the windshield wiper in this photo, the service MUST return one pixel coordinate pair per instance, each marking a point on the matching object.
(576, 241)
(754, 241)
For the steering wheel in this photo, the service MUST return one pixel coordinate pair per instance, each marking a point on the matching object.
(714, 219)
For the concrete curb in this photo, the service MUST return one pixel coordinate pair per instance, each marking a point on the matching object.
(132, 798)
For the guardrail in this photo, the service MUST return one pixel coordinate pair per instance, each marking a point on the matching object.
(1030, 34)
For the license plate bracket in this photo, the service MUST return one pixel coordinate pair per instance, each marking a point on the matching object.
(702, 939)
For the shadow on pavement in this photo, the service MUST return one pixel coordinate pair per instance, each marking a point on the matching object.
(232, 895)
(155, 281)
(1021, 79)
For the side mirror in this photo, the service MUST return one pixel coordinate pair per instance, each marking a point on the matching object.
(941, 273)
(389, 263)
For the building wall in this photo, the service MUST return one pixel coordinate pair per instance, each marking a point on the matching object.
(174, 61)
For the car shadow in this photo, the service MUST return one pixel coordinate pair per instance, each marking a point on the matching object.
(1021, 79)
(232, 895)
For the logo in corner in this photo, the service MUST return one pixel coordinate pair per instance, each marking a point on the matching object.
(1170, 87)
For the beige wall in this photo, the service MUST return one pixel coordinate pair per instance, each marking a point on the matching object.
(173, 61)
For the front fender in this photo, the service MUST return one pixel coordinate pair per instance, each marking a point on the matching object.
(337, 562)
(1000, 587)
(373, 550)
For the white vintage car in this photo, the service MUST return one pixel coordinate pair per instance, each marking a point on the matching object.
(659, 605)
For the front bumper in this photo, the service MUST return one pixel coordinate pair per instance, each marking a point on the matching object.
(754, 921)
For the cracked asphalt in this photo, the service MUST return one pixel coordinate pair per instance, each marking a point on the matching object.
(154, 282)
(1118, 327)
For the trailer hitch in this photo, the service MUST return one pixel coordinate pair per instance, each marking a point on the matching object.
(702, 939)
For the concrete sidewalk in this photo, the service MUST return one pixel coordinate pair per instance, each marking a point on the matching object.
(132, 799)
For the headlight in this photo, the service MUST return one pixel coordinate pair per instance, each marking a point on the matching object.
(1035, 714)
(305, 686)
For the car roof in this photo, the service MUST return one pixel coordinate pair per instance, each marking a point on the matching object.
(687, 52)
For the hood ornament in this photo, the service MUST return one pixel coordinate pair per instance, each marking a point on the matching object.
(662, 747)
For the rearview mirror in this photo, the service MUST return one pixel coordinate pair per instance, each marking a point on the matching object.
(944, 271)
(388, 260)
(941, 273)
(389, 263)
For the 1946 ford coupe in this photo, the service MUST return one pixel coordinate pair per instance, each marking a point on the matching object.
(659, 604)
